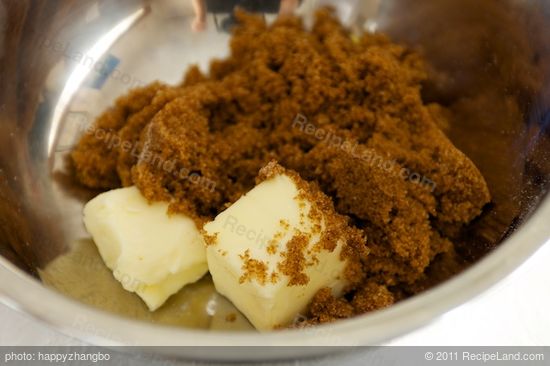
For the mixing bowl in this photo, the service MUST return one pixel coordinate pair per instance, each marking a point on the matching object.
(63, 62)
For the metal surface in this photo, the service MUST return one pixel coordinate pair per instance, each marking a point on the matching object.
(63, 62)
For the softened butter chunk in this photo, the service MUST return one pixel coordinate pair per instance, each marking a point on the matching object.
(275, 248)
(150, 252)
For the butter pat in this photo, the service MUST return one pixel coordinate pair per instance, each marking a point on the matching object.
(150, 253)
(272, 250)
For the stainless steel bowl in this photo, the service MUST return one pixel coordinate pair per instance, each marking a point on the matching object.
(62, 62)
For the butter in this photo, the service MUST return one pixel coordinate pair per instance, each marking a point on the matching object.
(265, 253)
(150, 252)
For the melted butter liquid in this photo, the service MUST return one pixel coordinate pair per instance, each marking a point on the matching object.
(81, 274)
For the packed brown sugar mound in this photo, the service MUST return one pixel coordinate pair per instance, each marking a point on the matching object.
(344, 112)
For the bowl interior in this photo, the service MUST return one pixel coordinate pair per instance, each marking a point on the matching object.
(62, 63)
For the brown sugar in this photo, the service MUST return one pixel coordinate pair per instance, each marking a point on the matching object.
(326, 308)
(345, 114)
(294, 261)
(253, 269)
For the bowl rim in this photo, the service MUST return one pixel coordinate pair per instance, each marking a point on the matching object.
(26, 294)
